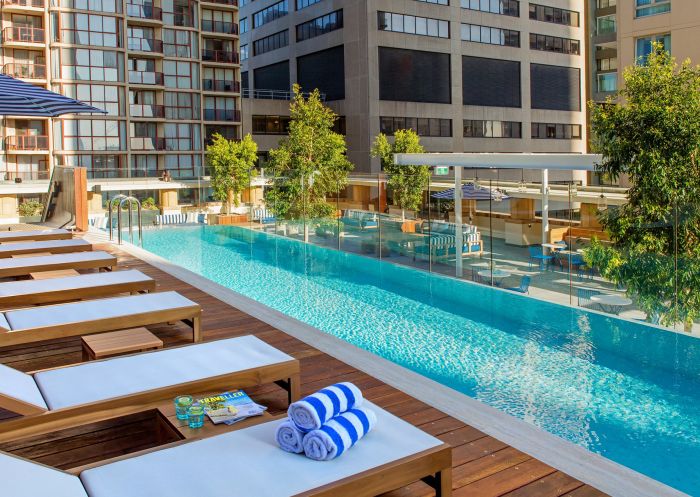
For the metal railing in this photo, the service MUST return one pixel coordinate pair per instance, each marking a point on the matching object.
(20, 176)
(24, 34)
(220, 56)
(145, 78)
(222, 115)
(119, 202)
(229, 28)
(224, 2)
(144, 11)
(145, 45)
(27, 142)
(273, 94)
(37, 4)
(222, 85)
(147, 110)
(26, 70)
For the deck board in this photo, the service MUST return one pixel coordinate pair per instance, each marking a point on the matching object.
(482, 465)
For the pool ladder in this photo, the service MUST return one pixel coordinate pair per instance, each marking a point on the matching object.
(119, 202)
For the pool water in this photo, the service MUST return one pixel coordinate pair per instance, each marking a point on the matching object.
(620, 389)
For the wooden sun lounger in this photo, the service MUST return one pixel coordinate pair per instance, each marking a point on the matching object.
(45, 246)
(24, 266)
(47, 234)
(248, 462)
(72, 395)
(49, 322)
(82, 286)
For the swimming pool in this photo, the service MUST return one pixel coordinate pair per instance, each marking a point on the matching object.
(620, 389)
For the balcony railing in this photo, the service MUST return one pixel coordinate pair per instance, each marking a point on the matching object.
(221, 85)
(224, 2)
(23, 34)
(220, 56)
(229, 28)
(145, 78)
(25, 70)
(144, 11)
(147, 143)
(27, 142)
(19, 176)
(37, 4)
(147, 110)
(180, 19)
(274, 94)
(146, 45)
(222, 115)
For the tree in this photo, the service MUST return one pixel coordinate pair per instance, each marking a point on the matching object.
(231, 163)
(653, 136)
(407, 183)
(310, 164)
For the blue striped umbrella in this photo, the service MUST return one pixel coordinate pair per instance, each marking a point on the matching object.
(472, 192)
(18, 98)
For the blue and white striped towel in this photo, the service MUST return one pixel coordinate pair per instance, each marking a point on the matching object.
(312, 412)
(289, 437)
(338, 434)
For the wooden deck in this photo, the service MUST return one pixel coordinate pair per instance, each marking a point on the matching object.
(483, 466)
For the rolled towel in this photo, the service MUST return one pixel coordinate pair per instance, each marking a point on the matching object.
(289, 437)
(312, 412)
(338, 434)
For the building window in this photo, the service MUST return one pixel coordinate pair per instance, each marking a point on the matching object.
(105, 97)
(553, 14)
(503, 7)
(98, 166)
(608, 64)
(473, 128)
(244, 52)
(108, 6)
(492, 36)
(269, 14)
(220, 109)
(644, 45)
(86, 64)
(554, 44)
(220, 79)
(144, 166)
(402, 23)
(607, 82)
(652, 7)
(182, 136)
(432, 127)
(181, 105)
(90, 29)
(302, 4)
(270, 43)
(243, 25)
(183, 75)
(183, 165)
(88, 134)
(179, 43)
(556, 131)
(271, 125)
(320, 25)
(604, 4)
(438, 2)
(605, 25)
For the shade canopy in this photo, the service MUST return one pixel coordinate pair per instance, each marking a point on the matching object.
(470, 191)
(18, 98)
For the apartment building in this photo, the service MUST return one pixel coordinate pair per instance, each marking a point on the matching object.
(468, 75)
(166, 71)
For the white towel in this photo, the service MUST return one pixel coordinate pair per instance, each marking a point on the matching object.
(312, 412)
(289, 437)
(339, 434)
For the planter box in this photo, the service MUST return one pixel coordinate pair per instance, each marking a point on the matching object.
(30, 219)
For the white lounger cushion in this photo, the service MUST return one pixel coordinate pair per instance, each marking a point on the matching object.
(90, 280)
(90, 310)
(43, 246)
(23, 478)
(9, 235)
(100, 380)
(29, 262)
(249, 463)
(20, 386)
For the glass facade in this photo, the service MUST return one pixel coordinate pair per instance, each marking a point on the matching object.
(492, 36)
(423, 126)
(646, 8)
(416, 25)
(320, 25)
(643, 46)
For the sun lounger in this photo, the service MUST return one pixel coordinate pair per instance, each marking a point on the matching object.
(248, 462)
(86, 391)
(50, 246)
(49, 234)
(80, 260)
(83, 286)
(49, 322)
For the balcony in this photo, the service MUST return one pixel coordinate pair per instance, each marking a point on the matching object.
(147, 111)
(145, 78)
(221, 85)
(23, 4)
(222, 115)
(145, 45)
(220, 56)
(146, 143)
(232, 3)
(146, 12)
(220, 27)
(21, 176)
(22, 143)
(23, 34)
(25, 70)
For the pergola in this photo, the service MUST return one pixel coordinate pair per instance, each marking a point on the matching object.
(459, 161)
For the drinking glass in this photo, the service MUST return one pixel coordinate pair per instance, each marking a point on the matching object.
(182, 404)
(195, 416)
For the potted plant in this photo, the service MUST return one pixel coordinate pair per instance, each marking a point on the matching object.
(30, 211)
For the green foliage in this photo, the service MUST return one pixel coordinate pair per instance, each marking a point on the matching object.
(30, 208)
(653, 136)
(310, 164)
(406, 183)
(231, 163)
(149, 203)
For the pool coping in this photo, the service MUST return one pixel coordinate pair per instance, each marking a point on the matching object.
(602, 473)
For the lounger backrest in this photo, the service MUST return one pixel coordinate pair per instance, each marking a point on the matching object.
(17, 387)
(24, 478)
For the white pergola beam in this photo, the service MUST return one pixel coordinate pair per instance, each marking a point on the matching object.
(554, 162)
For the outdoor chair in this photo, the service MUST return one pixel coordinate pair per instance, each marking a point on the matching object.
(48, 234)
(537, 255)
(44, 246)
(78, 260)
(584, 297)
(524, 286)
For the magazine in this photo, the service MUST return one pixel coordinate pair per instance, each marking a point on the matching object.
(230, 407)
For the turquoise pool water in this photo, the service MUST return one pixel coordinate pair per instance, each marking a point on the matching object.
(620, 389)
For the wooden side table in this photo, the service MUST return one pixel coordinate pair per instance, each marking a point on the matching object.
(119, 342)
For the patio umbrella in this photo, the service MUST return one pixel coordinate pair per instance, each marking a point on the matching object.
(472, 192)
(18, 98)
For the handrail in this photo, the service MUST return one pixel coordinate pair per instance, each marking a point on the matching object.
(26, 70)
(274, 94)
(122, 199)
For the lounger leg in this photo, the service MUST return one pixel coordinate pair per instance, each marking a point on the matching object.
(294, 388)
(444, 483)
(197, 329)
